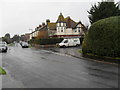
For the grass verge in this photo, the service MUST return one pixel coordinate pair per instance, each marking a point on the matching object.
(80, 51)
(2, 71)
(11, 44)
(101, 58)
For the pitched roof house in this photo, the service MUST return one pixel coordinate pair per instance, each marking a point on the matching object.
(63, 27)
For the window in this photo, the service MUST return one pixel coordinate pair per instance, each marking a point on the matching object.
(75, 40)
(61, 24)
(65, 41)
(78, 29)
(64, 24)
(61, 29)
(58, 29)
(58, 24)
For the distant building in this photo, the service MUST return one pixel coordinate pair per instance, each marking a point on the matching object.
(25, 37)
(39, 29)
(63, 27)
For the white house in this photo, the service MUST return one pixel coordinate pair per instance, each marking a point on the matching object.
(65, 27)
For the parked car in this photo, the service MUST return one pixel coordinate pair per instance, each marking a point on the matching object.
(3, 46)
(70, 42)
(24, 44)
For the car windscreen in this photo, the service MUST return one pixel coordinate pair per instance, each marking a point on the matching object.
(65, 41)
(2, 45)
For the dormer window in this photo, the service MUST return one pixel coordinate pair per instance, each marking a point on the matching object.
(64, 24)
(57, 24)
(61, 24)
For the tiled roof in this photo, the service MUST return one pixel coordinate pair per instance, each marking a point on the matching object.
(70, 23)
(60, 18)
(52, 26)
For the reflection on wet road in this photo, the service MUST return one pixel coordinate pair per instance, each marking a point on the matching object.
(47, 68)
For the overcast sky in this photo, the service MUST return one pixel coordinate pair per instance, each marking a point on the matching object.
(18, 16)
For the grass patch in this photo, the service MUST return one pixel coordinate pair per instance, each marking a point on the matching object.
(30, 46)
(80, 51)
(90, 54)
(11, 44)
(2, 71)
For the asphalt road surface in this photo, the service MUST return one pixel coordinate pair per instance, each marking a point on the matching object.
(39, 68)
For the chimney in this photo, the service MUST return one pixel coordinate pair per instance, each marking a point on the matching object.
(40, 26)
(37, 27)
(47, 21)
(43, 24)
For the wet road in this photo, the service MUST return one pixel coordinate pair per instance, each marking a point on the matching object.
(39, 68)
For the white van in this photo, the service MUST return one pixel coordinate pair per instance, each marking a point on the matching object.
(70, 42)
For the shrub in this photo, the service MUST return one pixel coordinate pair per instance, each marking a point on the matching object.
(81, 39)
(46, 41)
(103, 38)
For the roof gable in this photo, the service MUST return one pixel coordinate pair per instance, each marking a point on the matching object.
(52, 26)
(60, 18)
(70, 23)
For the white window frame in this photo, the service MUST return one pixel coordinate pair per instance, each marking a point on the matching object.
(62, 24)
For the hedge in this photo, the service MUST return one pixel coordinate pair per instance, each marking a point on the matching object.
(103, 38)
(46, 41)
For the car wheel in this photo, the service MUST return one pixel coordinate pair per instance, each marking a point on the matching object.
(77, 45)
(5, 51)
(64, 46)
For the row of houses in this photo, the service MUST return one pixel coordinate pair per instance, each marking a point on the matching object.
(63, 27)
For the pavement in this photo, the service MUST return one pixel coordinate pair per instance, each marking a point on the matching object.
(53, 68)
(74, 51)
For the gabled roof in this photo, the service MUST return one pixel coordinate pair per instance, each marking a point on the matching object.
(52, 26)
(79, 23)
(70, 23)
(60, 18)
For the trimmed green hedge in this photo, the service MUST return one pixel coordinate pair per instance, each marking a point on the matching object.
(81, 39)
(103, 38)
(46, 41)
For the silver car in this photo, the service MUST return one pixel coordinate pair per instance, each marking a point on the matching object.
(24, 44)
(3, 46)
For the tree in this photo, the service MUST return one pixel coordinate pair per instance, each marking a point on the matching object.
(7, 38)
(42, 34)
(16, 38)
(103, 38)
(103, 10)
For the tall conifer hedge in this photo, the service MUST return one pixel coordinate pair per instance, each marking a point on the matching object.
(103, 38)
